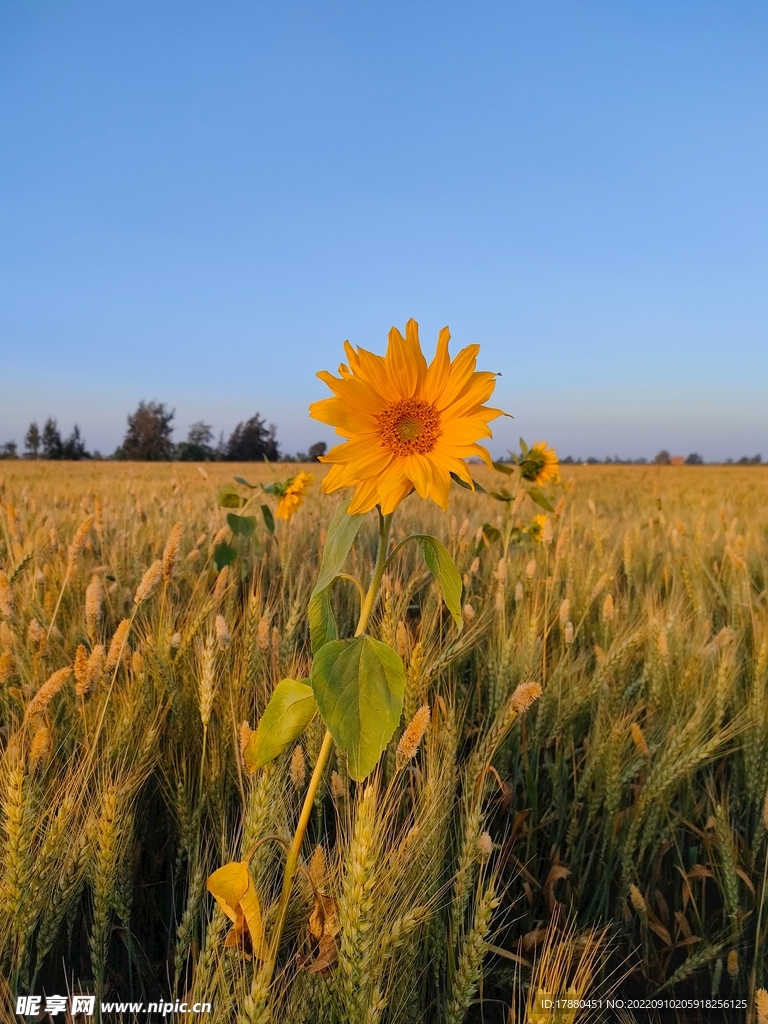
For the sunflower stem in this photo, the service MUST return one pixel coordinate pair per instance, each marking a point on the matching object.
(292, 859)
(385, 523)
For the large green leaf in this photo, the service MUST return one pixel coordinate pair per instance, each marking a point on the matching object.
(443, 568)
(229, 497)
(359, 685)
(269, 519)
(540, 498)
(291, 708)
(322, 624)
(341, 536)
(223, 555)
(338, 543)
(242, 526)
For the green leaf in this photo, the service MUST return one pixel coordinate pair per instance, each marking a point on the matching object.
(241, 526)
(291, 708)
(229, 497)
(538, 496)
(523, 447)
(269, 519)
(322, 624)
(443, 568)
(463, 483)
(338, 544)
(341, 536)
(244, 482)
(500, 467)
(502, 495)
(359, 685)
(223, 555)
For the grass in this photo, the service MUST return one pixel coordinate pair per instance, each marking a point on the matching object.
(613, 834)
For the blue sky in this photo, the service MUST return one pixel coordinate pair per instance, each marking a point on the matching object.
(199, 202)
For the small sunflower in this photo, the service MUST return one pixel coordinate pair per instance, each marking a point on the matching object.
(408, 425)
(541, 464)
(292, 495)
(536, 527)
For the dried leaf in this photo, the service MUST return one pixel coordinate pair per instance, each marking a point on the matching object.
(323, 927)
(233, 889)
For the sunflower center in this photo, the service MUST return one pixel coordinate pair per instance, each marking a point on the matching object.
(409, 426)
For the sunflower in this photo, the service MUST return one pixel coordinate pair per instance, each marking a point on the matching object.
(292, 496)
(536, 527)
(541, 464)
(408, 425)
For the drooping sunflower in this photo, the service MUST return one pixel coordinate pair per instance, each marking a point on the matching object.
(541, 464)
(409, 425)
(292, 497)
(536, 527)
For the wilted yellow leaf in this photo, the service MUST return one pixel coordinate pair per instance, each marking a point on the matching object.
(233, 889)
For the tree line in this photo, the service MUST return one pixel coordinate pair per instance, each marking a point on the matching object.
(149, 439)
(662, 459)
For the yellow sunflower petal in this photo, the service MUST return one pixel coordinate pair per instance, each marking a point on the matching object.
(459, 375)
(391, 499)
(477, 390)
(418, 469)
(437, 373)
(364, 455)
(464, 431)
(370, 368)
(366, 496)
(406, 365)
(334, 479)
(440, 488)
(346, 420)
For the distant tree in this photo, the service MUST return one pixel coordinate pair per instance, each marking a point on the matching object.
(9, 450)
(253, 441)
(200, 433)
(641, 461)
(197, 447)
(694, 460)
(316, 450)
(663, 458)
(32, 440)
(74, 446)
(148, 437)
(52, 444)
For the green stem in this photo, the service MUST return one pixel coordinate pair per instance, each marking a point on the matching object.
(385, 522)
(292, 860)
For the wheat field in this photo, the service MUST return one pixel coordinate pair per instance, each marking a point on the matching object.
(611, 838)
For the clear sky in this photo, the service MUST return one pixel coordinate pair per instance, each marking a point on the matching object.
(200, 201)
